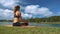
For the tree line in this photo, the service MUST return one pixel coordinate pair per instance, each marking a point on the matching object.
(49, 19)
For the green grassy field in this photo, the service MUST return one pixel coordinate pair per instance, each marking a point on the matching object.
(29, 30)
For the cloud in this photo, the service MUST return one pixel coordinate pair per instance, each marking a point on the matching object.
(37, 10)
(8, 3)
(58, 13)
(6, 14)
(22, 2)
(11, 3)
(22, 7)
(30, 11)
(26, 15)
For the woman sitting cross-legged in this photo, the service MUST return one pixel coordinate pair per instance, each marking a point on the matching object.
(17, 17)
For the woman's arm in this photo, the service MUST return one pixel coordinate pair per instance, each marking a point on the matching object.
(20, 17)
(18, 13)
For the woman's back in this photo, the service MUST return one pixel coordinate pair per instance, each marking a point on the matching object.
(17, 16)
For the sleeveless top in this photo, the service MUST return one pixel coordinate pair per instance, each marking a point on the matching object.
(15, 16)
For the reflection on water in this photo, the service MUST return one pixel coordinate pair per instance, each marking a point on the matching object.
(31, 24)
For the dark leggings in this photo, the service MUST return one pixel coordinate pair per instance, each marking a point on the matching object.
(17, 24)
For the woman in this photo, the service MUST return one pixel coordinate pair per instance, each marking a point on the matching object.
(17, 16)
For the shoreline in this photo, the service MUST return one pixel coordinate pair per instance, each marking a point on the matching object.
(19, 26)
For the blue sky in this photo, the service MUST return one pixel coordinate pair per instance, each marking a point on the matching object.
(30, 8)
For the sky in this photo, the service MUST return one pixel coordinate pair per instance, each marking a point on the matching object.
(30, 8)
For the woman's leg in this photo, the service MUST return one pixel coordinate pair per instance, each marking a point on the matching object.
(17, 24)
(14, 24)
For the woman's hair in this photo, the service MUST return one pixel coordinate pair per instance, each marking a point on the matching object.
(16, 8)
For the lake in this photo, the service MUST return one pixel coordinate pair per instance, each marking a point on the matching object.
(32, 24)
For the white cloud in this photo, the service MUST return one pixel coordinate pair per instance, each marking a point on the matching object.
(26, 15)
(45, 11)
(8, 3)
(6, 14)
(37, 10)
(22, 7)
(59, 13)
(22, 2)
(11, 3)
(30, 11)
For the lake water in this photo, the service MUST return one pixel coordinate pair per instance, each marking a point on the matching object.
(32, 24)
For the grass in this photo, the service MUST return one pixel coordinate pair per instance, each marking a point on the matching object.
(29, 30)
